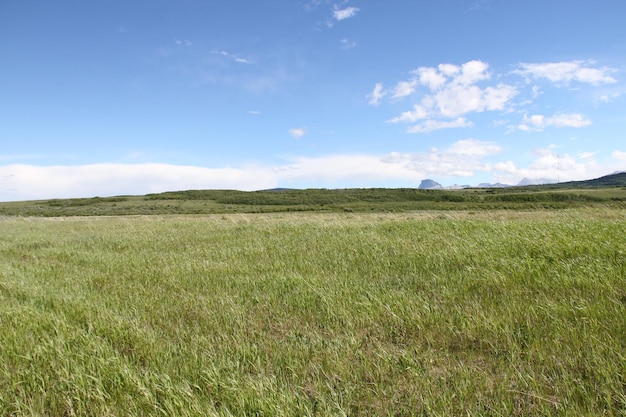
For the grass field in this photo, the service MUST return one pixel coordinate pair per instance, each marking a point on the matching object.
(455, 313)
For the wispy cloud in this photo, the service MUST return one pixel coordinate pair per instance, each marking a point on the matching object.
(609, 97)
(479, 5)
(338, 12)
(233, 57)
(347, 44)
(185, 42)
(404, 88)
(233, 70)
(567, 72)
(297, 132)
(539, 122)
(313, 4)
(376, 95)
(432, 125)
(346, 13)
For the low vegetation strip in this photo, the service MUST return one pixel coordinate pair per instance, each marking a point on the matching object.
(365, 200)
(294, 314)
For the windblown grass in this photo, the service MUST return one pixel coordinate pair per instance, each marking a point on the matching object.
(427, 314)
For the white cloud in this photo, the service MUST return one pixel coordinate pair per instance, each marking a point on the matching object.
(583, 155)
(609, 97)
(467, 158)
(538, 122)
(533, 123)
(462, 159)
(568, 71)
(457, 100)
(430, 77)
(411, 116)
(473, 71)
(339, 169)
(453, 93)
(432, 125)
(342, 14)
(475, 148)
(404, 88)
(376, 95)
(444, 95)
(27, 182)
(551, 165)
(536, 90)
(507, 167)
(619, 155)
(568, 120)
(297, 132)
(449, 70)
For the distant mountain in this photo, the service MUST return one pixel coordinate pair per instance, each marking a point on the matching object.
(429, 184)
(489, 185)
(617, 179)
(537, 181)
(277, 189)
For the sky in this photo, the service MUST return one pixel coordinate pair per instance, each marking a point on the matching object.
(128, 97)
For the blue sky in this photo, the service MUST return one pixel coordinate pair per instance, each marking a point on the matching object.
(114, 97)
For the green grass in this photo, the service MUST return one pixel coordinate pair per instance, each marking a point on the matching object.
(489, 313)
(364, 200)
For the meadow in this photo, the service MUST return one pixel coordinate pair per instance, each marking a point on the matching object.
(427, 313)
(362, 200)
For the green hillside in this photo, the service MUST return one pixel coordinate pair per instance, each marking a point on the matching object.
(613, 180)
(609, 190)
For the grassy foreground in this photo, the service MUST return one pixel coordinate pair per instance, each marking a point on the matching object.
(425, 314)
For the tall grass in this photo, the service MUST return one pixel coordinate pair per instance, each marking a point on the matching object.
(322, 314)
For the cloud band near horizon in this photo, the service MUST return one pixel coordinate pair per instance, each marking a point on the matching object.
(460, 161)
